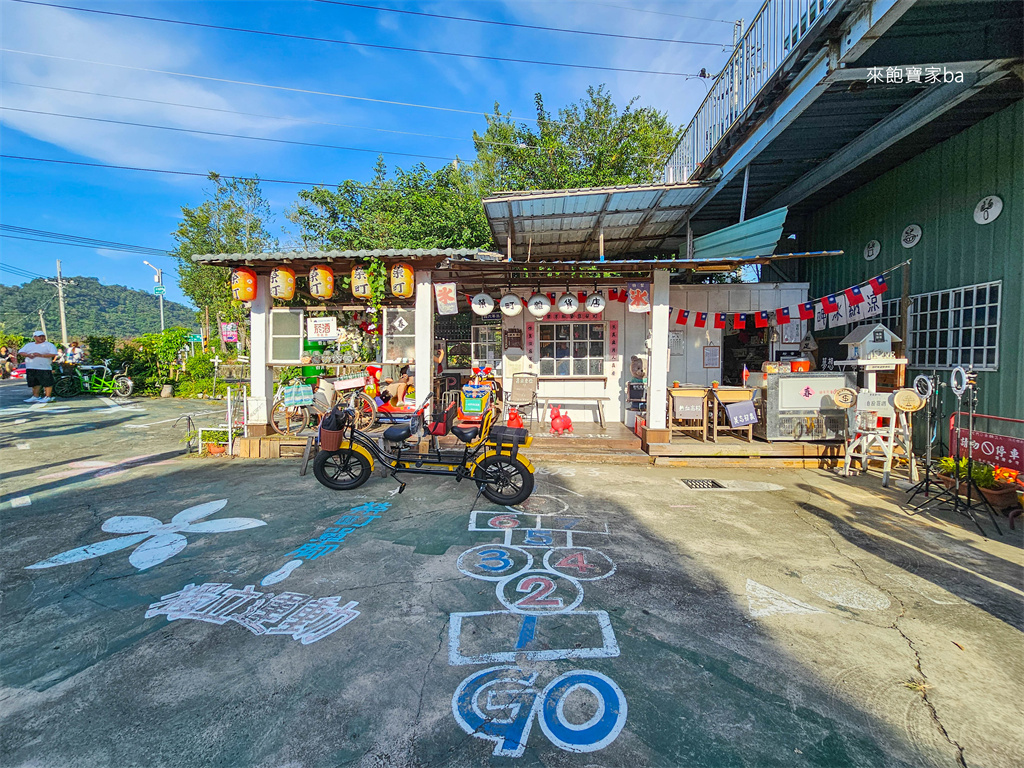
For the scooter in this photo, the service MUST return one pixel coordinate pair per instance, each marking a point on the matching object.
(489, 456)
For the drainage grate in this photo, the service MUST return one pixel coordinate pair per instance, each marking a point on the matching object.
(702, 485)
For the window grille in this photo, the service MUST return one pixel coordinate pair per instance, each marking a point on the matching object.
(572, 349)
(956, 327)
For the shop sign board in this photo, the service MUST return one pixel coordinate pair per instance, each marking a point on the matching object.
(811, 392)
(639, 296)
(988, 209)
(990, 448)
(712, 357)
(687, 407)
(321, 328)
(229, 332)
(741, 414)
(447, 298)
(512, 338)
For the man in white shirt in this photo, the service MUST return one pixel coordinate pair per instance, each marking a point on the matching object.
(39, 355)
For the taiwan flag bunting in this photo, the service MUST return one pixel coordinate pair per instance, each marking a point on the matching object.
(830, 304)
(613, 294)
(581, 296)
(761, 319)
(739, 320)
(700, 319)
(783, 315)
(807, 310)
(719, 319)
(878, 285)
(854, 295)
(623, 295)
(682, 317)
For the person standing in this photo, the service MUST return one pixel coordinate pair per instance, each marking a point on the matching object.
(39, 355)
(8, 361)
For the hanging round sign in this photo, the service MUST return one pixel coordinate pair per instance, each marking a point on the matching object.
(911, 236)
(871, 250)
(595, 303)
(538, 305)
(907, 400)
(510, 305)
(844, 397)
(988, 209)
(567, 304)
(483, 304)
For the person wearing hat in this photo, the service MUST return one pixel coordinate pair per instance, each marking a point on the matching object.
(39, 355)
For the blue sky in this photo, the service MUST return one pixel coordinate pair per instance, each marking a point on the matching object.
(144, 208)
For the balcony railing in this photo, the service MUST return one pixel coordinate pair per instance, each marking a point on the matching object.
(774, 33)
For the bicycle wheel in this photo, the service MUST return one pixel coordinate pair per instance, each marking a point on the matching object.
(67, 386)
(341, 470)
(366, 412)
(504, 480)
(289, 421)
(123, 386)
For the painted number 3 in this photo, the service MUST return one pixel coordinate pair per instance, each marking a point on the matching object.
(500, 704)
(494, 560)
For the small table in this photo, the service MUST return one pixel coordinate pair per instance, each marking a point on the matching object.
(724, 395)
(683, 425)
(598, 401)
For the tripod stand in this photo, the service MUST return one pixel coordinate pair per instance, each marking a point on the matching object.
(928, 388)
(965, 383)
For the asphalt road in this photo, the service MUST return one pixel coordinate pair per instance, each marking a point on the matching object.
(168, 611)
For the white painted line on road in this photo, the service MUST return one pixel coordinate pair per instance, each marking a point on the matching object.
(168, 421)
(764, 601)
(21, 421)
(23, 446)
(21, 501)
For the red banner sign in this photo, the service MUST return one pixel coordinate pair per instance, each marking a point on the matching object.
(998, 450)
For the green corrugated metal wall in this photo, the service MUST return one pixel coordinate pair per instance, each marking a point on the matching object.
(938, 190)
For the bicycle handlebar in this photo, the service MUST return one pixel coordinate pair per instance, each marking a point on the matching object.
(426, 402)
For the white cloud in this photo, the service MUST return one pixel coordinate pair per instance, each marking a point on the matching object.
(136, 44)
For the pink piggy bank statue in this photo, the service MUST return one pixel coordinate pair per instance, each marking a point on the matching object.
(560, 423)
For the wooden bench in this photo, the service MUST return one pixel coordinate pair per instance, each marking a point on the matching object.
(598, 401)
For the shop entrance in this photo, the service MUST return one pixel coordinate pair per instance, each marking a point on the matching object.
(743, 347)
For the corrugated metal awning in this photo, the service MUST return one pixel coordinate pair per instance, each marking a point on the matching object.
(432, 255)
(569, 224)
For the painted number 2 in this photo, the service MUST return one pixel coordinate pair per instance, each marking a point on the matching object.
(500, 704)
(536, 598)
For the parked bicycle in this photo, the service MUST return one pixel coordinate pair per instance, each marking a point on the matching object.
(294, 420)
(490, 454)
(95, 379)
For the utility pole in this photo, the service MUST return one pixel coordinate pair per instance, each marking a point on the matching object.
(158, 278)
(42, 323)
(60, 282)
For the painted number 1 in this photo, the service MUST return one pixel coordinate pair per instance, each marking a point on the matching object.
(537, 597)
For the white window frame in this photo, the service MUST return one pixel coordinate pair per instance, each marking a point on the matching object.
(387, 314)
(604, 357)
(480, 360)
(280, 312)
(937, 328)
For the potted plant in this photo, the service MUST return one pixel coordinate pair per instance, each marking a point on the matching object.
(990, 481)
(947, 470)
(215, 441)
(714, 384)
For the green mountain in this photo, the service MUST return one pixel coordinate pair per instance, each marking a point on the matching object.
(92, 309)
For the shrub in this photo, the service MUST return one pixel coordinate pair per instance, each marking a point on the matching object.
(100, 348)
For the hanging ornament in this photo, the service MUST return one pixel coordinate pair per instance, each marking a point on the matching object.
(243, 284)
(321, 281)
(595, 303)
(510, 305)
(567, 304)
(538, 305)
(482, 304)
(282, 283)
(402, 280)
(361, 283)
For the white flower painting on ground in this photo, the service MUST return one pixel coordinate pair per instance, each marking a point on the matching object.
(156, 541)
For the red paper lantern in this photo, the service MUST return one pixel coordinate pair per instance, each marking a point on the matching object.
(243, 284)
(321, 281)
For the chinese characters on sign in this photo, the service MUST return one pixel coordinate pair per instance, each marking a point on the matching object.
(912, 74)
(306, 619)
(992, 449)
(639, 296)
(321, 328)
(229, 332)
(447, 300)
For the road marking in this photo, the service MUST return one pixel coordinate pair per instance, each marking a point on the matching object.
(21, 501)
(164, 421)
(843, 590)
(23, 446)
(764, 601)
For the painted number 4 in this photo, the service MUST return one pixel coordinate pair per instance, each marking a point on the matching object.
(577, 561)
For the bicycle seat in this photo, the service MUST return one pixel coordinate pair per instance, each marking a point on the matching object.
(466, 434)
(399, 433)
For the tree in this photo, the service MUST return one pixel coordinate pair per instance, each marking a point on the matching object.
(590, 144)
(233, 220)
(415, 209)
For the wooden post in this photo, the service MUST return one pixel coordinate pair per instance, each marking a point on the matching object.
(901, 370)
(206, 334)
(424, 336)
(223, 346)
(600, 242)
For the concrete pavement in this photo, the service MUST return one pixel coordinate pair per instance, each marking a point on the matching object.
(169, 611)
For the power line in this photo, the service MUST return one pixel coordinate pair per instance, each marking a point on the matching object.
(272, 117)
(20, 272)
(206, 175)
(226, 135)
(661, 13)
(79, 239)
(121, 247)
(334, 41)
(523, 26)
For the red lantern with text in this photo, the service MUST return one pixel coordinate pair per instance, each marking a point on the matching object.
(361, 283)
(282, 283)
(321, 282)
(402, 280)
(243, 284)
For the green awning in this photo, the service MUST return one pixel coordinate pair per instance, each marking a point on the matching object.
(748, 239)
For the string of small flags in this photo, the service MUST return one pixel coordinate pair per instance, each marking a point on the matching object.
(830, 304)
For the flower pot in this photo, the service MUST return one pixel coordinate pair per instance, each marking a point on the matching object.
(215, 449)
(1002, 497)
(167, 390)
(947, 481)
